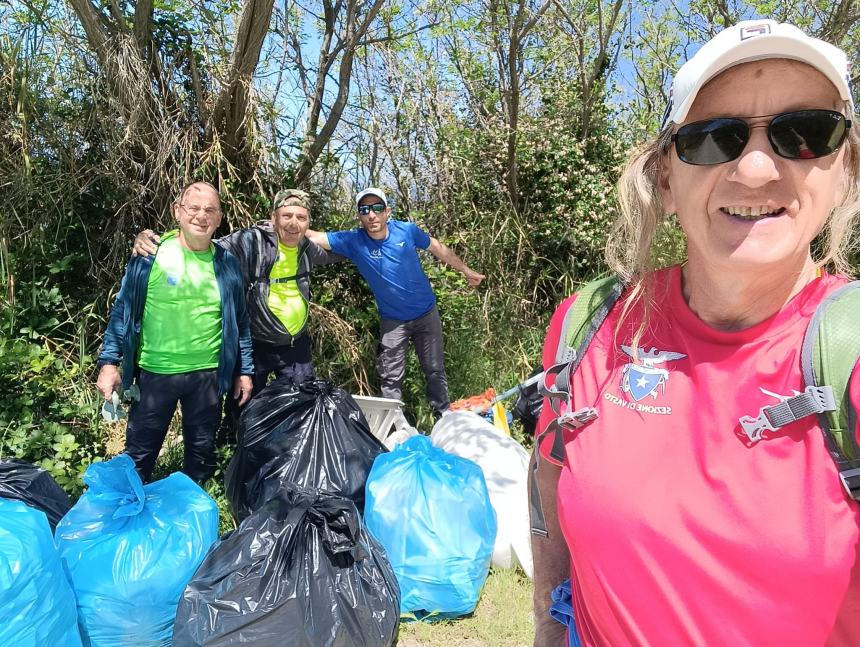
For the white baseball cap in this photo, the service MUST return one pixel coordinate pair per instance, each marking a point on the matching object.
(754, 40)
(372, 190)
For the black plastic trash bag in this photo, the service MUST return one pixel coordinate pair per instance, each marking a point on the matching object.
(312, 434)
(528, 406)
(30, 484)
(300, 571)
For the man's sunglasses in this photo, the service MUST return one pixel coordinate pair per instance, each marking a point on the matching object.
(803, 134)
(365, 209)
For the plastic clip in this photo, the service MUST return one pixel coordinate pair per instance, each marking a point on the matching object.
(577, 419)
(813, 400)
(851, 482)
(754, 428)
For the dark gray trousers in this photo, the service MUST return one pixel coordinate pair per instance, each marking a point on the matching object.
(425, 333)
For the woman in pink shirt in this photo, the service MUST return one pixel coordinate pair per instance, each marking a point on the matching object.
(675, 525)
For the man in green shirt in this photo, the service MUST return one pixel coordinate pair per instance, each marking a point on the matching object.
(180, 327)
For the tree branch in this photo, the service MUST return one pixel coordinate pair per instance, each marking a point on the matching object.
(142, 25)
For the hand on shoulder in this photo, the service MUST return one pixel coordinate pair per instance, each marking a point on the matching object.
(145, 243)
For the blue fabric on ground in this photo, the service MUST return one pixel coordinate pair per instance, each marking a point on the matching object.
(37, 606)
(562, 611)
(432, 513)
(131, 549)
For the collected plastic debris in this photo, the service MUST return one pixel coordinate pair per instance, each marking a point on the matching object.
(505, 466)
(300, 571)
(131, 549)
(399, 436)
(312, 434)
(22, 481)
(431, 512)
(529, 403)
(487, 405)
(37, 605)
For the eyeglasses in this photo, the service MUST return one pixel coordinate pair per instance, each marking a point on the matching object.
(195, 210)
(364, 209)
(798, 135)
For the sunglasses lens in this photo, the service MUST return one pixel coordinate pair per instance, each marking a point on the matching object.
(365, 209)
(714, 141)
(807, 134)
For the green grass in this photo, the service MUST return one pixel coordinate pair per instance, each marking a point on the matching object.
(503, 618)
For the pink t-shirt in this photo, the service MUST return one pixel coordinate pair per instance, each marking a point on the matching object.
(681, 531)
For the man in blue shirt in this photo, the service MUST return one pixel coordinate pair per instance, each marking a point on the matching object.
(386, 253)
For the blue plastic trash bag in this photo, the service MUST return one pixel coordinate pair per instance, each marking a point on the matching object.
(431, 512)
(562, 611)
(131, 549)
(37, 606)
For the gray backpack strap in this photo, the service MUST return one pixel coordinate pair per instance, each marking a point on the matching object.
(581, 322)
(829, 355)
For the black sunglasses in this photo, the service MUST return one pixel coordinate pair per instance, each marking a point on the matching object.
(364, 209)
(803, 134)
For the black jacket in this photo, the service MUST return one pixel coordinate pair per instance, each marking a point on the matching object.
(257, 250)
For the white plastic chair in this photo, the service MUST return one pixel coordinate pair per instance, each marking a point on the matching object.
(384, 415)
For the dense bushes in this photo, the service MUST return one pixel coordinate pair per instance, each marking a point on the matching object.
(65, 251)
(48, 413)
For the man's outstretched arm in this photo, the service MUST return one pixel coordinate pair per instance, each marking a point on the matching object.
(447, 256)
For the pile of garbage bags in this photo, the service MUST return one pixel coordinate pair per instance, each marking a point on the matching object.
(338, 538)
(301, 569)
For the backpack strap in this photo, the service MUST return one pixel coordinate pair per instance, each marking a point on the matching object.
(581, 322)
(831, 348)
(829, 354)
(284, 279)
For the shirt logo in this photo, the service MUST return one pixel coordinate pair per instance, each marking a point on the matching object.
(642, 380)
(376, 253)
(173, 280)
(401, 243)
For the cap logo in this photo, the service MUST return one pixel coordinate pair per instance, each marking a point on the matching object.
(754, 30)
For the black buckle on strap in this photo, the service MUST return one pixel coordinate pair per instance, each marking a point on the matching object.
(851, 482)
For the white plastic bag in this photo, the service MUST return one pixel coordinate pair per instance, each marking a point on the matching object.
(505, 466)
(401, 434)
